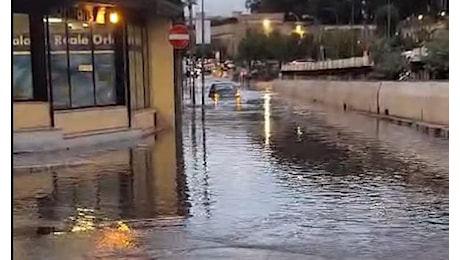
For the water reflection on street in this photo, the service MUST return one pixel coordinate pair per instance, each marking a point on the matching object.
(260, 179)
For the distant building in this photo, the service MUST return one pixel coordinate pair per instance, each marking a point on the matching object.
(226, 33)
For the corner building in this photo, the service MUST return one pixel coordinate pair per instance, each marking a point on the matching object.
(94, 66)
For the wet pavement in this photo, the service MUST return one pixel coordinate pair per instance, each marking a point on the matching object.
(263, 179)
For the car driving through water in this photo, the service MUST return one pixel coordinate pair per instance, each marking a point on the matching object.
(224, 91)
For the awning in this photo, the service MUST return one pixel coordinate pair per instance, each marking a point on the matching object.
(155, 7)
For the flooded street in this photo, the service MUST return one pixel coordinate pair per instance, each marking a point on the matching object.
(263, 179)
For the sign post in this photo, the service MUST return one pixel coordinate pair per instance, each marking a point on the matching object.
(179, 36)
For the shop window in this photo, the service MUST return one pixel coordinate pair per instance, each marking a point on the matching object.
(82, 63)
(104, 62)
(22, 62)
(59, 60)
(138, 67)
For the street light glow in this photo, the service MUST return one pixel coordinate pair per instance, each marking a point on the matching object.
(299, 30)
(266, 23)
(420, 17)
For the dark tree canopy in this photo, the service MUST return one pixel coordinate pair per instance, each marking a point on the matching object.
(437, 61)
(345, 11)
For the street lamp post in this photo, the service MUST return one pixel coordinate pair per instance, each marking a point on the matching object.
(298, 28)
(388, 19)
(299, 25)
(352, 30)
(419, 27)
(202, 54)
(192, 51)
(295, 16)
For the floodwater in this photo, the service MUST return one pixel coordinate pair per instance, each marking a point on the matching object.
(263, 179)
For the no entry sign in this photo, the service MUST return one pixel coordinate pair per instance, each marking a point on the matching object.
(179, 36)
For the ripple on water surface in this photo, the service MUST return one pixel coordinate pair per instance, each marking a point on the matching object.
(262, 179)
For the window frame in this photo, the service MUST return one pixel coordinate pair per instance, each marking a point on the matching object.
(138, 64)
(119, 91)
(36, 49)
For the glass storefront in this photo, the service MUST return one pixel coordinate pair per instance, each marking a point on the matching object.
(22, 64)
(75, 61)
(104, 61)
(82, 61)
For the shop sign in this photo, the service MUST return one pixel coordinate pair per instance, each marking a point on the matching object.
(76, 41)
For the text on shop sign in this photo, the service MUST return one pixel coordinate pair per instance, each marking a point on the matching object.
(60, 41)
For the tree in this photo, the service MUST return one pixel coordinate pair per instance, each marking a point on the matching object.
(388, 59)
(341, 44)
(387, 28)
(437, 61)
(409, 43)
(301, 48)
(327, 11)
(252, 47)
(275, 46)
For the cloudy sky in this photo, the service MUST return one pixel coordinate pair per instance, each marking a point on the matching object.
(221, 7)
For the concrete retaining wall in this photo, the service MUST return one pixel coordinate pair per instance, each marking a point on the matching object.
(420, 101)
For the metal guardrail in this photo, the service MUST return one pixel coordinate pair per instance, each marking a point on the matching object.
(354, 62)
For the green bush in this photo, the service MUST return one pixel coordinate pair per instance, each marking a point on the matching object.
(437, 61)
(388, 61)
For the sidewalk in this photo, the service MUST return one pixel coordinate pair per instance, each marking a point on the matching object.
(71, 158)
(54, 140)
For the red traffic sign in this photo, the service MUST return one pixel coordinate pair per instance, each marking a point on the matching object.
(179, 36)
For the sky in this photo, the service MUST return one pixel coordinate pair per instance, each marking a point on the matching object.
(221, 7)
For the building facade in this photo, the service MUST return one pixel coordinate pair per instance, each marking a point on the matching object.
(93, 66)
(226, 33)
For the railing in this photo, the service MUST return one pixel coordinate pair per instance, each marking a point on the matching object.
(354, 62)
(416, 55)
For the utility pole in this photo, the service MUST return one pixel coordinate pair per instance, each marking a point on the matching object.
(192, 49)
(352, 30)
(388, 19)
(365, 29)
(202, 54)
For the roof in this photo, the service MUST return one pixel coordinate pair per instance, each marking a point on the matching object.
(158, 7)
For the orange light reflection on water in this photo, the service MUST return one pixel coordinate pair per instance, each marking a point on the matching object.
(120, 237)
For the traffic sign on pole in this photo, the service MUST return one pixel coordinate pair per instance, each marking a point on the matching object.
(179, 36)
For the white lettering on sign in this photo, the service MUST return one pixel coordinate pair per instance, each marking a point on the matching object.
(74, 40)
(21, 41)
(102, 40)
(58, 40)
